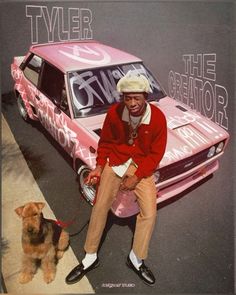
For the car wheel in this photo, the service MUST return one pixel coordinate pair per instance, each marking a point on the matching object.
(87, 191)
(22, 108)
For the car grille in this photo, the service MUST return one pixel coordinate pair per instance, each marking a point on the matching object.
(182, 166)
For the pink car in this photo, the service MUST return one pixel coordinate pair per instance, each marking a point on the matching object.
(69, 87)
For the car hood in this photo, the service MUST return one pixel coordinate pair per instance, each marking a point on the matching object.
(93, 124)
(188, 131)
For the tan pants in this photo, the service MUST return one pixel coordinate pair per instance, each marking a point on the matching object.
(146, 197)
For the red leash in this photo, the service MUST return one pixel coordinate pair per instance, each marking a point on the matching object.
(64, 224)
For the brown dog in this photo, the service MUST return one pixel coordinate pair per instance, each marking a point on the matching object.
(42, 241)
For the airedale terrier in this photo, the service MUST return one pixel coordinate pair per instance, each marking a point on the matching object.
(43, 242)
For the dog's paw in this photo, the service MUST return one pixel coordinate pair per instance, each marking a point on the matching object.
(25, 277)
(49, 277)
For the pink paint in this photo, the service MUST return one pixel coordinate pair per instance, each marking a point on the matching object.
(189, 133)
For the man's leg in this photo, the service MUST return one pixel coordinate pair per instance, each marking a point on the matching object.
(107, 191)
(146, 197)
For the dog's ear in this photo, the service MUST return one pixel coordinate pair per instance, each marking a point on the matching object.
(40, 205)
(19, 210)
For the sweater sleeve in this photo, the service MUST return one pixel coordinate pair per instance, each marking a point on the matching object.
(105, 142)
(149, 164)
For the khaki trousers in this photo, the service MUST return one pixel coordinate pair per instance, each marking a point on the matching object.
(146, 197)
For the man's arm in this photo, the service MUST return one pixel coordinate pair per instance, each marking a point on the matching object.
(158, 146)
(103, 151)
(94, 176)
(105, 141)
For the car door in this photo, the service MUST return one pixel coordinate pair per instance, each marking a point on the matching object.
(52, 106)
(31, 69)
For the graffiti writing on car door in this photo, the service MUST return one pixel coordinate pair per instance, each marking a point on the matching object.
(56, 124)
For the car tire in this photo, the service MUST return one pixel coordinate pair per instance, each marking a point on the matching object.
(22, 109)
(87, 191)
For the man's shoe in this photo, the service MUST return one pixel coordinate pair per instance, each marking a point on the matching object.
(143, 272)
(78, 272)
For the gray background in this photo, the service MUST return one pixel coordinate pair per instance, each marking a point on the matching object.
(159, 32)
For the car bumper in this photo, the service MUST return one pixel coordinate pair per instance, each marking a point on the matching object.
(126, 204)
(176, 188)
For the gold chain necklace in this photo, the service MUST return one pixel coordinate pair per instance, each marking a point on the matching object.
(133, 129)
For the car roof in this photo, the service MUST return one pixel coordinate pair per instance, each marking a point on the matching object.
(80, 55)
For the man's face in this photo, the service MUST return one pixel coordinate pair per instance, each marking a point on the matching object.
(135, 103)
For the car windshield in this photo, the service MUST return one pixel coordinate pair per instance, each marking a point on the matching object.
(93, 91)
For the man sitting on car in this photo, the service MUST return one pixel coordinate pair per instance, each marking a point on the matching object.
(132, 143)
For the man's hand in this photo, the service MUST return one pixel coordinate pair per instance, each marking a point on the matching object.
(94, 176)
(129, 182)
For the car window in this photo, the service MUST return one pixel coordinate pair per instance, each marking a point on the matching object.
(94, 91)
(52, 84)
(32, 69)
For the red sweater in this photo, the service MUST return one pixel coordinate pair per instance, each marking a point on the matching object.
(148, 148)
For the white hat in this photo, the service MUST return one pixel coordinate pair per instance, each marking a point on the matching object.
(133, 82)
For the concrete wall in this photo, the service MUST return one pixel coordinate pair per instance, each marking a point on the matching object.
(188, 45)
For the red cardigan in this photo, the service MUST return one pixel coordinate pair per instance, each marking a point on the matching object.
(148, 148)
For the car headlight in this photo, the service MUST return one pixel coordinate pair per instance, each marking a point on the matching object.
(211, 152)
(157, 176)
(219, 147)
